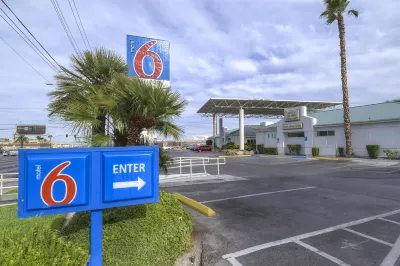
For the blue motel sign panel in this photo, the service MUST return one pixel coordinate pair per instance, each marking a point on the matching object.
(55, 181)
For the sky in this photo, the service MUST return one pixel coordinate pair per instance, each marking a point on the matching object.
(279, 50)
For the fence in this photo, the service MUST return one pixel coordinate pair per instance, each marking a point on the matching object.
(4, 179)
(191, 162)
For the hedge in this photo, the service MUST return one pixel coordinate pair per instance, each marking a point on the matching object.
(315, 151)
(373, 151)
(341, 151)
(153, 234)
(296, 148)
(393, 155)
(271, 150)
(249, 147)
(260, 148)
(34, 241)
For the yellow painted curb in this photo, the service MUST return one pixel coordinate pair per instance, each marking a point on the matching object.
(226, 156)
(203, 209)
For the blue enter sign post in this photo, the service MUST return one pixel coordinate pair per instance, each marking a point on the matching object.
(55, 181)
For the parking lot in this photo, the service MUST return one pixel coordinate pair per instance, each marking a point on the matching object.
(287, 211)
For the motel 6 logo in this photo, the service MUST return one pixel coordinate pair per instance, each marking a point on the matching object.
(148, 58)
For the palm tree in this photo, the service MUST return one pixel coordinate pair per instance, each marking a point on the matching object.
(141, 104)
(50, 137)
(22, 139)
(334, 12)
(76, 98)
(40, 139)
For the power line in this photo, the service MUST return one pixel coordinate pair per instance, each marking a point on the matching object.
(30, 32)
(65, 26)
(84, 32)
(79, 28)
(41, 55)
(24, 60)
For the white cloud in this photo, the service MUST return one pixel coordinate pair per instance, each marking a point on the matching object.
(244, 65)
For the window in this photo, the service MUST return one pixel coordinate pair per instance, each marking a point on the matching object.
(272, 136)
(251, 141)
(295, 134)
(325, 133)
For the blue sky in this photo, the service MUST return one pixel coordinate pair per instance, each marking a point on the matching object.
(237, 49)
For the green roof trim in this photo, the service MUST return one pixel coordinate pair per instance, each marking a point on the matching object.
(359, 114)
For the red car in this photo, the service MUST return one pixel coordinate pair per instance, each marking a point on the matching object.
(203, 148)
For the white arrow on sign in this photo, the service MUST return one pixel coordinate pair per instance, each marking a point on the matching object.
(127, 184)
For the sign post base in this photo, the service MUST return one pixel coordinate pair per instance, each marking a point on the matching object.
(96, 228)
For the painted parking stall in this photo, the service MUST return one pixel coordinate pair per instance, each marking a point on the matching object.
(55, 181)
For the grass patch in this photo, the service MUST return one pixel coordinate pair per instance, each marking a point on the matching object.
(153, 234)
(35, 241)
(12, 191)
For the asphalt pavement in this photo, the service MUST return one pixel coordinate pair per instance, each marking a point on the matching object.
(287, 211)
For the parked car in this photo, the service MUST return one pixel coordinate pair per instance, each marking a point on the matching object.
(167, 148)
(13, 153)
(6, 153)
(203, 148)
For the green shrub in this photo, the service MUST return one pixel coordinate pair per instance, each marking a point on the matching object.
(341, 151)
(393, 155)
(294, 148)
(229, 146)
(209, 142)
(373, 151)
(249, 147)
(271, 150)
(260, 148)
(315, 151)
(39, 246)
(152, 234)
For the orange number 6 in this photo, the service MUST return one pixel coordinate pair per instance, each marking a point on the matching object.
(46, 191)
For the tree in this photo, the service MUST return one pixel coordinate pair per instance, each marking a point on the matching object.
(393, 101)
(140, 104)
(22, 139)
(334, 12)
(40, 139)
(50, 137)
(76, 97)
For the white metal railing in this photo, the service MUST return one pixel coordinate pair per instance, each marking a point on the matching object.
(190, 162)
(6, 180)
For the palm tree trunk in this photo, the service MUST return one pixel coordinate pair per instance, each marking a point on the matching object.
(345, 90)
(133, 136)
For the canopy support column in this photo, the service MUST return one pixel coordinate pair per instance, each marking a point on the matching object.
(241, 129)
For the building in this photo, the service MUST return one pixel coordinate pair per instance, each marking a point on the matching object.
(370, 124)
(308, 123)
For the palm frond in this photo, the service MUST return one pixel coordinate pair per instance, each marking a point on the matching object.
(353, 12)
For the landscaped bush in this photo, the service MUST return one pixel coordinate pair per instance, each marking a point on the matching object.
(393, 155)
(315, 151)
(341, 151)
(153, 234)
(39, 246)
(249, 147)
(294, 148)
(260, 148)
(271, 150)
(373, 151)
(229, 146)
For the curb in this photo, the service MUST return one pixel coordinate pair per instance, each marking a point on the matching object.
(226, 156)
(332, 158)
(203, 209)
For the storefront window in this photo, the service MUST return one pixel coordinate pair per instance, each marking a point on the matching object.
(272, 136)
(251, 141)
(324, 133)
(295, 134)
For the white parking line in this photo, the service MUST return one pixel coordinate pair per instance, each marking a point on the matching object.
(234, 262)
(299, 237)
(258, 194)
(323, 254)
(369, 237)
(390, 221)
